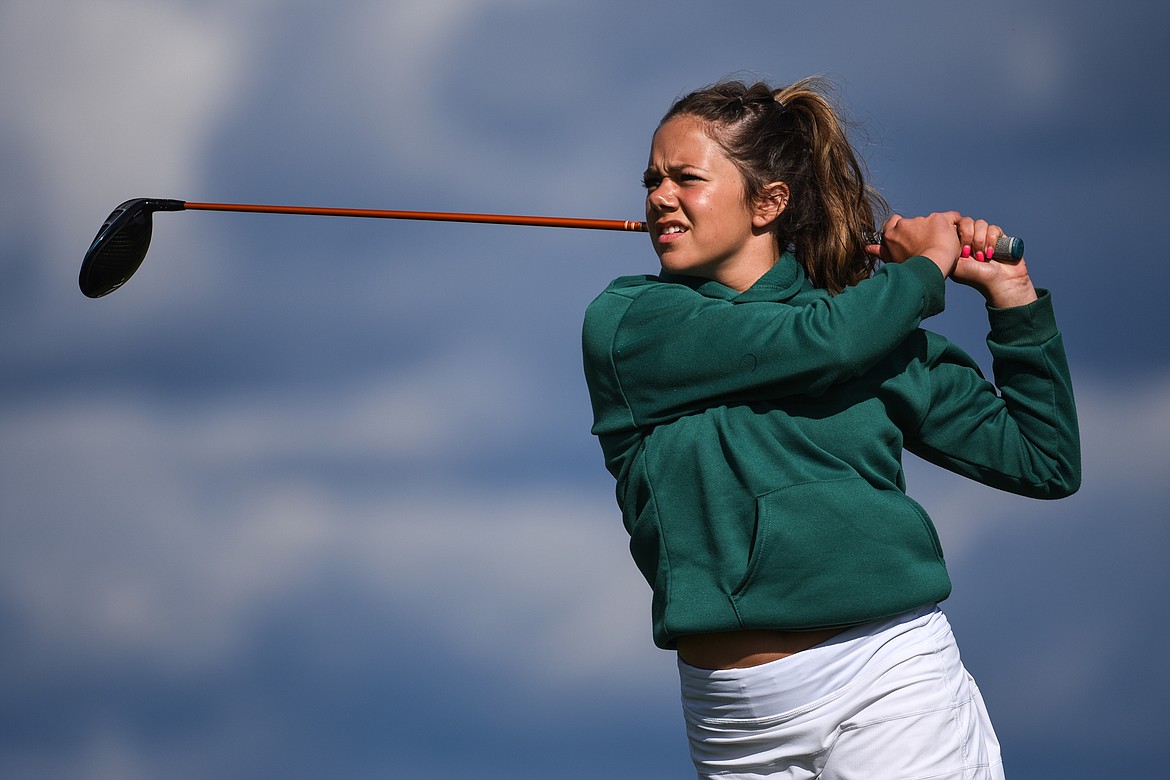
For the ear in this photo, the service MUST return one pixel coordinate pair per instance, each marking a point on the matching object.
(770, 204)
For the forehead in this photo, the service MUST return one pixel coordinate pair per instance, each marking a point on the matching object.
(686, 141)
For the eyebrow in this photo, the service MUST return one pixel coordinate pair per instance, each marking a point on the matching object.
(652, 170)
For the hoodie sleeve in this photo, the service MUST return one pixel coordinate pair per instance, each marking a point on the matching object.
(1020, 434)
(655, 351)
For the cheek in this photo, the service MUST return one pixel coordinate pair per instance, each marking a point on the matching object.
(705, 211)
(722, 212)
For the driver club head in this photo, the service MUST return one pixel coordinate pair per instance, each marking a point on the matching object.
(120, 245)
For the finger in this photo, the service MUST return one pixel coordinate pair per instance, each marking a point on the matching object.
(979, 239)
(966, 231)
(994, 232)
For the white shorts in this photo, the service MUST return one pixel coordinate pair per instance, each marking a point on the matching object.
(884, 700)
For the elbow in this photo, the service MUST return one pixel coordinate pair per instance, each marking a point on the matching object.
(1070, 485)
(1065, 479)
(1049, 490)
(1050, 475)
(1062, 488)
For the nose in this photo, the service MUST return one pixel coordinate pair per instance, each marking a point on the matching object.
(663, 197)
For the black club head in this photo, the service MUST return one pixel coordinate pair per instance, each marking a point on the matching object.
(120, 245)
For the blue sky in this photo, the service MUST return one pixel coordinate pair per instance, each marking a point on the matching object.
(316, 497)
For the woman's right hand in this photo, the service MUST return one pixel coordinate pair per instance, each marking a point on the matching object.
(935, 237)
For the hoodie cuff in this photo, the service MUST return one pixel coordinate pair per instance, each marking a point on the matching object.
(933, 284)
(1032, 323)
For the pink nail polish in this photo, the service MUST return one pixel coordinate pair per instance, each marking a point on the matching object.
(966, 251)
(990, 252)
(980, 258)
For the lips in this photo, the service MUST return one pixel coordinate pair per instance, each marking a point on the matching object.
(670, 231)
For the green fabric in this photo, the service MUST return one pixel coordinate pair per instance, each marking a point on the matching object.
(756, 438)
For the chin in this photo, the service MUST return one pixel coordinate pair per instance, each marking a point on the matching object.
(678, 265)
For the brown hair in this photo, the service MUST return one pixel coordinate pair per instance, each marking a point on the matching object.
(794, 135)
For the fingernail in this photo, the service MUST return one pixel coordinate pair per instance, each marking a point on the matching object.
(966, 251)
(990, 252)
(980, 258)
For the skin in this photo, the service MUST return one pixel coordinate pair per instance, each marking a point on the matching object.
(961, 248)
(692, 186)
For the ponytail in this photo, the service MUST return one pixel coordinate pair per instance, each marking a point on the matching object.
(794, 135)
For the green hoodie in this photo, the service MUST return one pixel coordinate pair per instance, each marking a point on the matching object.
(756, 438)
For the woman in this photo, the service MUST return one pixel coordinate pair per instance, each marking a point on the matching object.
(753, 401)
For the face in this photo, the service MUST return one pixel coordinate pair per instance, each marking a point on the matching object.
(699, 219)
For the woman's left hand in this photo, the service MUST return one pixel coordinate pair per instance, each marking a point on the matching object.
(1002, 284)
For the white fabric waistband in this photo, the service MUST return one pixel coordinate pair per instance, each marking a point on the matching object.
(803, 679)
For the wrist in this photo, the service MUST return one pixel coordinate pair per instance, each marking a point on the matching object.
(942, 257)
(1016, 292)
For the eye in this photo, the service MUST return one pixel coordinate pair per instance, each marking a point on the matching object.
(651, 182)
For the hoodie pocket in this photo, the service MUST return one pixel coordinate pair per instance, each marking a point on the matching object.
(838, 552)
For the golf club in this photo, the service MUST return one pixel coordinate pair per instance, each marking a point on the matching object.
(120, 245)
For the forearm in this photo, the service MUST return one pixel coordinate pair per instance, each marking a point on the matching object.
(676, 353)
(1023, 438)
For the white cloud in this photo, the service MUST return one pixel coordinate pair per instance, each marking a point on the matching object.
(110, 75)
(136, 531)
(439, 105)
(117, 96)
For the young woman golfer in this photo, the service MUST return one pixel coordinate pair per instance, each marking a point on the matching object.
(753, 401)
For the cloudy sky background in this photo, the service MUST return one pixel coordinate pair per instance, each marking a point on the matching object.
(317, 497)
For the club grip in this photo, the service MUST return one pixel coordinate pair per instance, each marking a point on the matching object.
(1008, 249)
